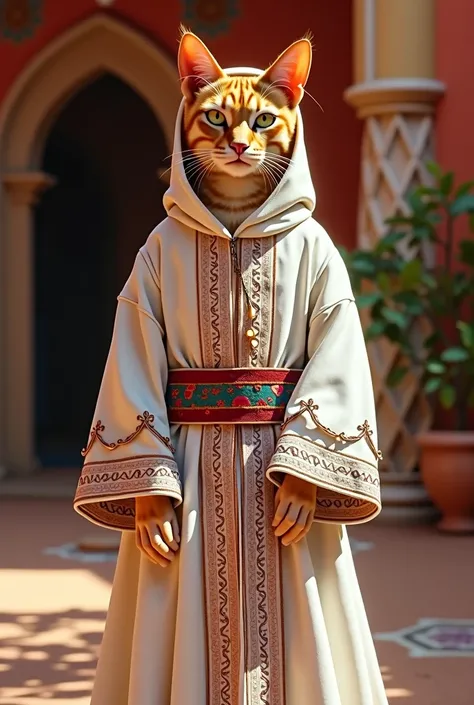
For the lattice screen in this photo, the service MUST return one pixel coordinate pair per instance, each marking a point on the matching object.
(395, 150)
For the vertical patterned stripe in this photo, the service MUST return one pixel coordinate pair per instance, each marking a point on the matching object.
(263, 619)
(261, 556)
(214, 290)
(221, 564)
(219, 493)
(257, 264)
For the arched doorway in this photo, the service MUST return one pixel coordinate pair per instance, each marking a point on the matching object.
(104, 151)
(99, 49)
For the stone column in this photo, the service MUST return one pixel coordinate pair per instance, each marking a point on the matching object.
(22, 193)
(395, 94)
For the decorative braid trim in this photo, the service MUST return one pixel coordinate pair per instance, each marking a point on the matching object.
(106, 490)
(364, 428)
(145, 421)
(348, 488)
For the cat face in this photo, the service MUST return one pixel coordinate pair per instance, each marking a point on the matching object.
(240, 125)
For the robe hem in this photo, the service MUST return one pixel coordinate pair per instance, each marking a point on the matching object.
(108, 488)
(112, 506)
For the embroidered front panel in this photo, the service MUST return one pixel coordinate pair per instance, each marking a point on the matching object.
(264, 665)
(218, 481)
(221, 559)
(258, 261)
(229, 396)
(149, 474)
(337, 475)
(214, 277)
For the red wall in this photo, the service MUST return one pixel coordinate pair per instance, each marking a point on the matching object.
(255, 38)
(455, 62)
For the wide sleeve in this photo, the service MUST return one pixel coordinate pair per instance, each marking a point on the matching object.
(329, 433)
(129, 451)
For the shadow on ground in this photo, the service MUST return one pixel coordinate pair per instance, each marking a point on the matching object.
(49, 655)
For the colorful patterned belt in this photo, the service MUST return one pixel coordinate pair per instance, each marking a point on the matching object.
(229, 396)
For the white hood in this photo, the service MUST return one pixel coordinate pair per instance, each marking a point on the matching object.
(291, 203)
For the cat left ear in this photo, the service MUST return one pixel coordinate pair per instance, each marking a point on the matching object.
(291, 70)
(197, 66)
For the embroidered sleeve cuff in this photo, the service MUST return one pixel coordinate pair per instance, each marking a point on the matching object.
(348, 488)
(106, 491)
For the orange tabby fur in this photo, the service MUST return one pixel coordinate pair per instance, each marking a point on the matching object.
(237, 160)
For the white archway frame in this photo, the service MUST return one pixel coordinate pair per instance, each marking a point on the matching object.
(98, 45)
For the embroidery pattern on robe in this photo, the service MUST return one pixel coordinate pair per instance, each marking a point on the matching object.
(258, 258)
(262, 580)
(219, 493)
(263, 620)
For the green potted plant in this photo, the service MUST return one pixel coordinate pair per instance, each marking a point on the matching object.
(418, 286)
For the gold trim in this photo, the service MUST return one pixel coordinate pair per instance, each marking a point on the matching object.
(146, 421)
(364, 428)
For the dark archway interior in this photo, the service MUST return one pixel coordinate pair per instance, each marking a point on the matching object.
(104, 149)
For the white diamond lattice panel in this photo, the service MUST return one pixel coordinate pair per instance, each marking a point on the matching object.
(395, 149)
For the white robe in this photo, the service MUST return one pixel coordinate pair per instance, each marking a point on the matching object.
(237, 619)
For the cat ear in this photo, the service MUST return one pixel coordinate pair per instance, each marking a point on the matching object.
(291, 70)
(197, 67)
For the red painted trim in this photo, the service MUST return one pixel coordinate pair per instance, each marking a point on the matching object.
(258, 375)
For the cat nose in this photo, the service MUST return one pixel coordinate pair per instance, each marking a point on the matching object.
(239, 147)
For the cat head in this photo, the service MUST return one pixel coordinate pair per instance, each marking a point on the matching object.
(240, 125)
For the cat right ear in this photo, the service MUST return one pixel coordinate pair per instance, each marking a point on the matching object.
(197, 67)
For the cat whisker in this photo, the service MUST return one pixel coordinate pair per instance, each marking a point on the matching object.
(278, 158)
(185, 151)
(189, 157)
(206, 172)
(194, 171)
(267, 170)
(282, 166)
(273, 84)
(314, 99)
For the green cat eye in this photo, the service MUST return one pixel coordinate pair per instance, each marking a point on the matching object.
(265, 120)
(216, 118)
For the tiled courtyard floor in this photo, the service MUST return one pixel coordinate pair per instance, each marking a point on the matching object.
(52, 608)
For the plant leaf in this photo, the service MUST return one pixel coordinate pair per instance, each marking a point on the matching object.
(396, 375)
(447, 396)
(433, 384)
(366, 300)
(434, 169)
(411, 301)
(456, 354)
(462, 204)
(375, 330)
(411, 273)
(446, 183)
(467, 333)
(396, 317)
(363, 265)
(435, 367)
(464, 188)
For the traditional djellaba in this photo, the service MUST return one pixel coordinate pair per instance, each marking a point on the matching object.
(234, 436)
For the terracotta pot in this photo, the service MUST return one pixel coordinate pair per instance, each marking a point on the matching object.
(447, 470)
